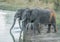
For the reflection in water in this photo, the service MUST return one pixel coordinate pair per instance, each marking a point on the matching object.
(6, 20)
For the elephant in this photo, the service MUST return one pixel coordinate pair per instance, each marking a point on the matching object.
(35, 16)
(44, 16)
(18, 15)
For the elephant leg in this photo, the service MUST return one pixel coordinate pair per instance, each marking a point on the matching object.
(49, 27)
(20, 31)
(19, 23)
(20, 36)
(33, 27)
(54, 25)
(53, 21)
(38, 28)
(27, 27)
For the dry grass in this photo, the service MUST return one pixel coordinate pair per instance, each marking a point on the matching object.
(22, 4)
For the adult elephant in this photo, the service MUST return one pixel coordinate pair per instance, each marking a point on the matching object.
(44, 16)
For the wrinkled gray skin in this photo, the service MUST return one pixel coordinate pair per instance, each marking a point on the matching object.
(20, 16)
(37, 17)
(42, 16)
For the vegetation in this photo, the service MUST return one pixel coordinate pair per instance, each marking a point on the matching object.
(58, 17)
(14, 4)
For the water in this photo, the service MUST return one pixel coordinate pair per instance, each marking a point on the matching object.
(6, 21)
